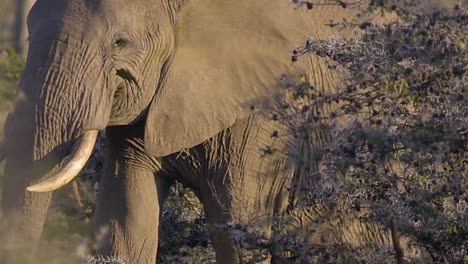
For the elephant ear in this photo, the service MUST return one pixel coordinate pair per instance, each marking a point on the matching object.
(229, 57)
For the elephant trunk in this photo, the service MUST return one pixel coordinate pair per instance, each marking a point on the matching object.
(64, 97)
(62, 94)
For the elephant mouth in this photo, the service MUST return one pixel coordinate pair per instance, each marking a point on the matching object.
(74, 163)
(126, 79)
(127, 98)
(119, 91)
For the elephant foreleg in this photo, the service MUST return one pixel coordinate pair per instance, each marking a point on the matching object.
(128, 205)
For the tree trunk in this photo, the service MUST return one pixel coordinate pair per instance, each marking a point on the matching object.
(21, 27)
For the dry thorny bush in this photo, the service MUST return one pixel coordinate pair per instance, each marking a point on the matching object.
(403, 157)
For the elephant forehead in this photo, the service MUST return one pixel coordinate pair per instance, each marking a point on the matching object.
(81, 12)
(136, 9)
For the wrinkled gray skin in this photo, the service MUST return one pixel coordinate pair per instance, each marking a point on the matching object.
(172, 83)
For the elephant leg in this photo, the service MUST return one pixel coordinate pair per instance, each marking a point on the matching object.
(245, 177)
(129, 199)
(225, 207)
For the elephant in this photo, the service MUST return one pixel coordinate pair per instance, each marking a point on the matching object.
(179, 87)
(353, 230)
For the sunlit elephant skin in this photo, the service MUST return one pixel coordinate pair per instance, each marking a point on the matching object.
(177, 86)
(349, 228)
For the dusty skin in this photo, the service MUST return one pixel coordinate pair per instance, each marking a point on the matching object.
(178, 86)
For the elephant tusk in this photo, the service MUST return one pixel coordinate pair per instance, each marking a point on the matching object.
(2, 150)
(81, 152)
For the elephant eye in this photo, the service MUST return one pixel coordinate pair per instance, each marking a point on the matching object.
(121, 42)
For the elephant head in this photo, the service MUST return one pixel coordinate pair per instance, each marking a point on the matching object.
(188, 69)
